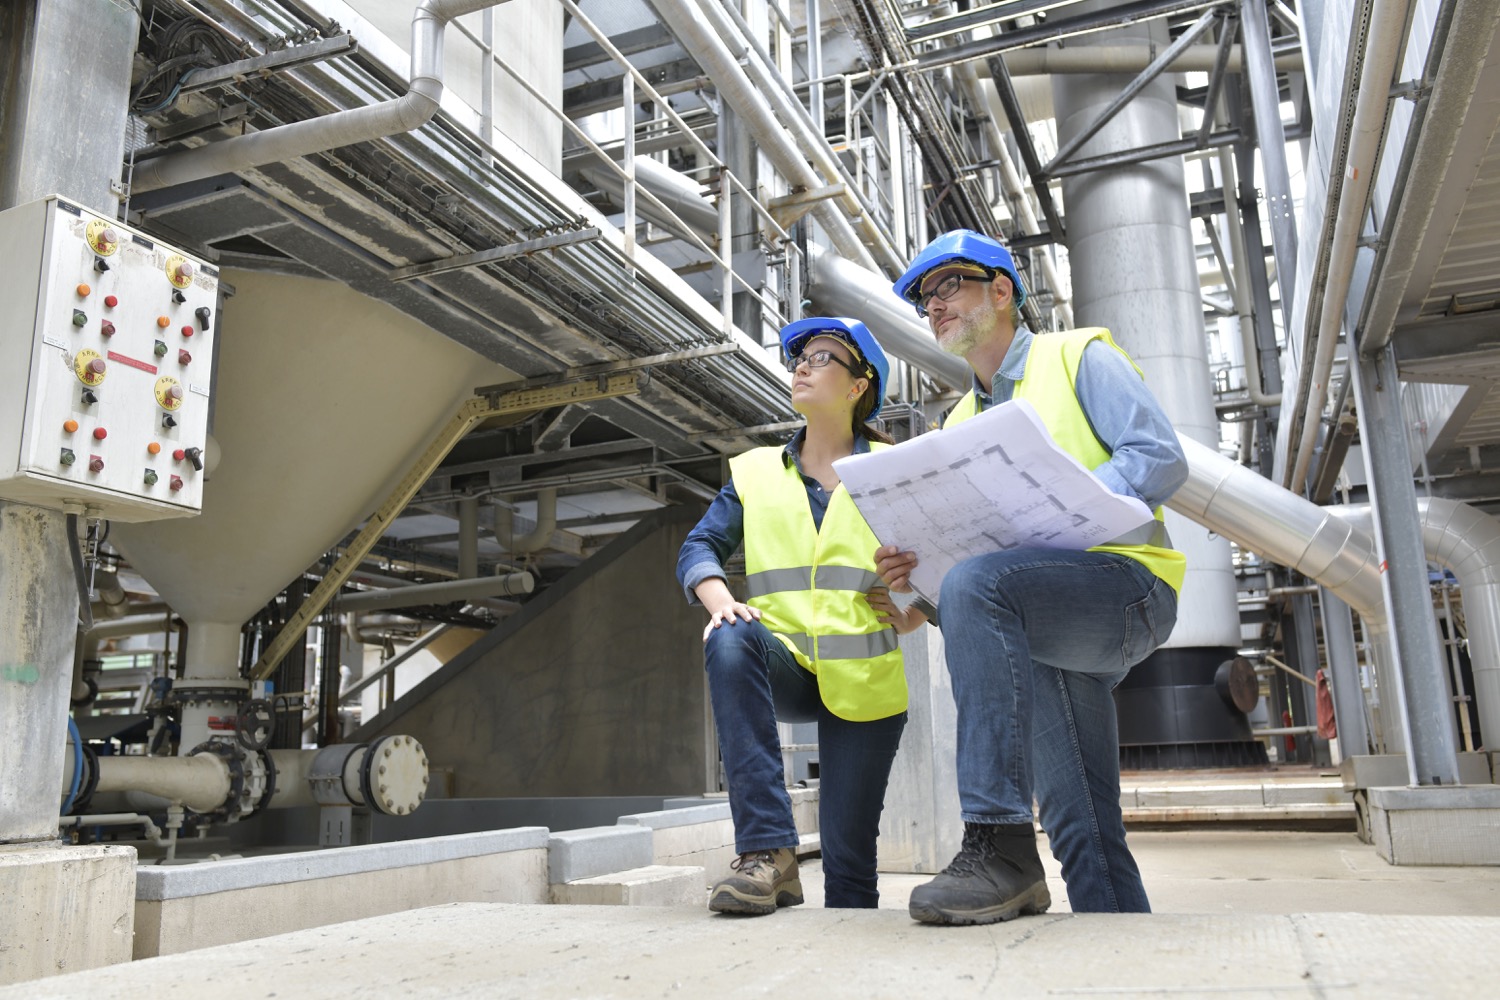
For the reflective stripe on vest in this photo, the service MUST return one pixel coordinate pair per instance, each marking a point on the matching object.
(1054, 359)
(802, 578)
(808, 583)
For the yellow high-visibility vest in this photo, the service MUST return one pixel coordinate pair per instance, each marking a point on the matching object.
(808, 584)
(1049, 385)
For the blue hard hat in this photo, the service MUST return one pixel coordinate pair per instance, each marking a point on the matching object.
(959, 246)
(851, 332)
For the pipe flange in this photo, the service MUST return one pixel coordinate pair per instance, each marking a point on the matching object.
(395, 775)
(325, 776)
(256, 787)
(269, 765)
(234, 762)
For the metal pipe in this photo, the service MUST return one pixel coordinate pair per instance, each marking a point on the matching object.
(537, 537)
(201, 782)
(840, 287)
(444, 592)
(688, 23)
(1256, 514)
(981, 93)
(1046, 60)
(1265, 102)
(1349, 187)
(681, 195)
(1343, 667)
(410, 111)
(1465, 541)
(468, 538)
(774, 85)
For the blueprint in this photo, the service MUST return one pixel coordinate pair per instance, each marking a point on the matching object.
(995, 481)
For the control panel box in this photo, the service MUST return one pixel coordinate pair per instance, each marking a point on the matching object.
(106, 357)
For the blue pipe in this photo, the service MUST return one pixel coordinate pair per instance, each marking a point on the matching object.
(77, 741)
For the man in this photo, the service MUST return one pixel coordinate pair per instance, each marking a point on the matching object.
(1036, 639)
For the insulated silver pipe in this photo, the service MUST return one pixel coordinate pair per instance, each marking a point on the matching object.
(508, 585)
(1253, 512)
(410, 111)
(679, 193)
(1043, 61)
(839, 287)
(1466, 541)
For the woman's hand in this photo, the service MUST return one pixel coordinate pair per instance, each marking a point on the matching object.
(721, 605)
(733, 612)
(902, 620)
(895, 566)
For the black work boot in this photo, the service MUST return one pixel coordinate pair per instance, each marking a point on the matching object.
(997, 875)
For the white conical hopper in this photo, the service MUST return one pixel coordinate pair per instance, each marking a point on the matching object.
(323, 399)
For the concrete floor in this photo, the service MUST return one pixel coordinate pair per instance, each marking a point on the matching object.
(1253, 914)
(1215, 871)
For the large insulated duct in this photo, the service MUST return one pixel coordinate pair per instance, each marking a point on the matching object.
(410, 111)
(1465, 541)
(682, 195)
(1130, 243)
(840, 287)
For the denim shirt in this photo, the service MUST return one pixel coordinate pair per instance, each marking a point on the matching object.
(713, 540)
(1146, 461)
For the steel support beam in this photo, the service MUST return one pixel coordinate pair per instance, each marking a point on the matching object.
(1265, 98)
(1425, 708)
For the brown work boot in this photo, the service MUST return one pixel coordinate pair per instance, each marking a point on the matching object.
(759, 881)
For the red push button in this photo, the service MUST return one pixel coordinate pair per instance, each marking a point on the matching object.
(184, 358)
(111, 301)
(187, 331)
(100, 433)
(179, 455)
(176, 483)
(107, 328)
(96, 464)
(96, 367)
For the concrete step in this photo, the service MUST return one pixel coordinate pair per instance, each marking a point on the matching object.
(538, 951)
(653, 885)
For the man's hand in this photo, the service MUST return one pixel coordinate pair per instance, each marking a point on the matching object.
(894, 567)
(903, 621)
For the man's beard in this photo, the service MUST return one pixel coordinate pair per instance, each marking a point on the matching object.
(971, 330)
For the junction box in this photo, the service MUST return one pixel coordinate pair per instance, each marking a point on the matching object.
(106, 362)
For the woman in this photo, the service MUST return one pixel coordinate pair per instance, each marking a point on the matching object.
(815, 638)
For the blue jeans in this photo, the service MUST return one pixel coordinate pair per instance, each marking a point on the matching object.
(1036, 640)
(754, 681)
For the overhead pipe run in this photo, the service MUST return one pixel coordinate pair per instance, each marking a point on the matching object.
(754, 106)
(445, 592)
(406, 113)
(1350, 185)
